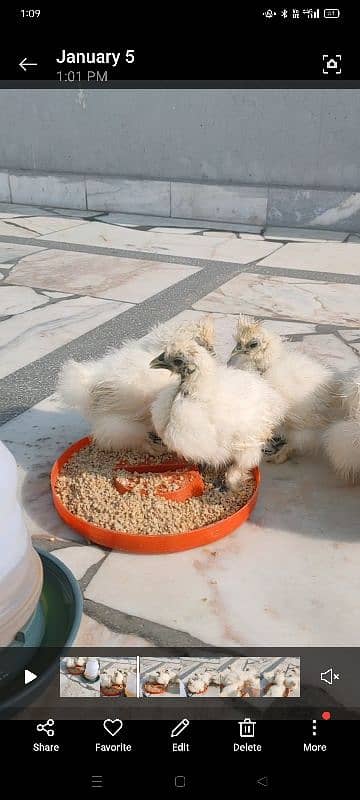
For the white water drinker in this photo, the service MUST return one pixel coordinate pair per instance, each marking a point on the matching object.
(21, 575)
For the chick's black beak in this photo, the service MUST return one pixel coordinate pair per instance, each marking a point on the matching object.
(233, 355)
(160, 362)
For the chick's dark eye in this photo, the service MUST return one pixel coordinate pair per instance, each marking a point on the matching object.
(178, 362)
(253, 343)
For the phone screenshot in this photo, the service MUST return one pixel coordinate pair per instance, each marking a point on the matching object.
(179, 400)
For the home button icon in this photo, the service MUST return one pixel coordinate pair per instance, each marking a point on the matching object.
(180, 781)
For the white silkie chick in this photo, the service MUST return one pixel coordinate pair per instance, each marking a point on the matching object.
(159, 676)
(214, 415)
(306, 386)
(173, 675)
(250, 684)
(292, 686)
(118, 677)
(229, 676)
(244, 684)
(152, 677)
(163, 678)
(196, 684)
(214, 678)
(115, 392)
(342, 438)
(277, 687)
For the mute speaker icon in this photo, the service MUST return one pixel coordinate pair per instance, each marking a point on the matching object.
(329, 676)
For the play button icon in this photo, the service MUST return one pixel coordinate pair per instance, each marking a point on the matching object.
(29, 676)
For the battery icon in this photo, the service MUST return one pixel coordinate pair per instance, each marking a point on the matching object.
(331, 13)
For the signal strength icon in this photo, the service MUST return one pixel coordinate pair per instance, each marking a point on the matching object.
(314, 727)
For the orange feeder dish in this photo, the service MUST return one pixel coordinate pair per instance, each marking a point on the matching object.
(164, 466)
(128, 484)
(190, 485)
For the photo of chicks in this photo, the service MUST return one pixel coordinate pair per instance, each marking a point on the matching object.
(161, 677)
(118, 677)
(186, 418)
(184, 397)
(185, 677)
(79, 676)
(205, 679)
(261, 677)
(222, 677)
(147, 396)
(180, 677)
(89, 676)
(283, 680)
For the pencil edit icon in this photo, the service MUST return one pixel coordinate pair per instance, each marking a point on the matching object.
(179, 728)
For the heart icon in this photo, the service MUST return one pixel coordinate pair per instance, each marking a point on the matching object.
(326, 715)
(113, 726)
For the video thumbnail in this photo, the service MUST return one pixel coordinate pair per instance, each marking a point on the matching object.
(179, 373)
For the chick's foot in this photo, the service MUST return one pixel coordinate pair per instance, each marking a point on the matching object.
(235, 477)
(154, 445)
(220, 484)
(280, 456)
(273, 445)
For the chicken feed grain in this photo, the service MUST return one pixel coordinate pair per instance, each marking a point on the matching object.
(86, 487)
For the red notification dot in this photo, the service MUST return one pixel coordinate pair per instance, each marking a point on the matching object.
(326, 715)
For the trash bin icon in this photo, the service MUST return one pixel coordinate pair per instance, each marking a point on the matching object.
(247, 728)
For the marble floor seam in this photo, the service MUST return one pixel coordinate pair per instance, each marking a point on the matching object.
(159, 635)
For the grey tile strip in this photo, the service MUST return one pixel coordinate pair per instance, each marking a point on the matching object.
(303, 274)
(253, 266)
(91, 572)
(136, 255)
(158, 635)
(348, 344)
(29, 385)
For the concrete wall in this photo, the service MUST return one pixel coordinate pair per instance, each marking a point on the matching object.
(271, 137)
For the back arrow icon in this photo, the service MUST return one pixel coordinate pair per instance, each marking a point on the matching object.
(23, 64)
(263, 782)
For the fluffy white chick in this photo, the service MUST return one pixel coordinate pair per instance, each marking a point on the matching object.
(214, 678)
(229, 675)
(342, 438)
(159, 676)
(306, 385)
(153, 676)
(196, 684)
(277, 687)
(250, 683)
(292, 685)
(172, 673)
(214, 415)
(242, 684)
(115, 392)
